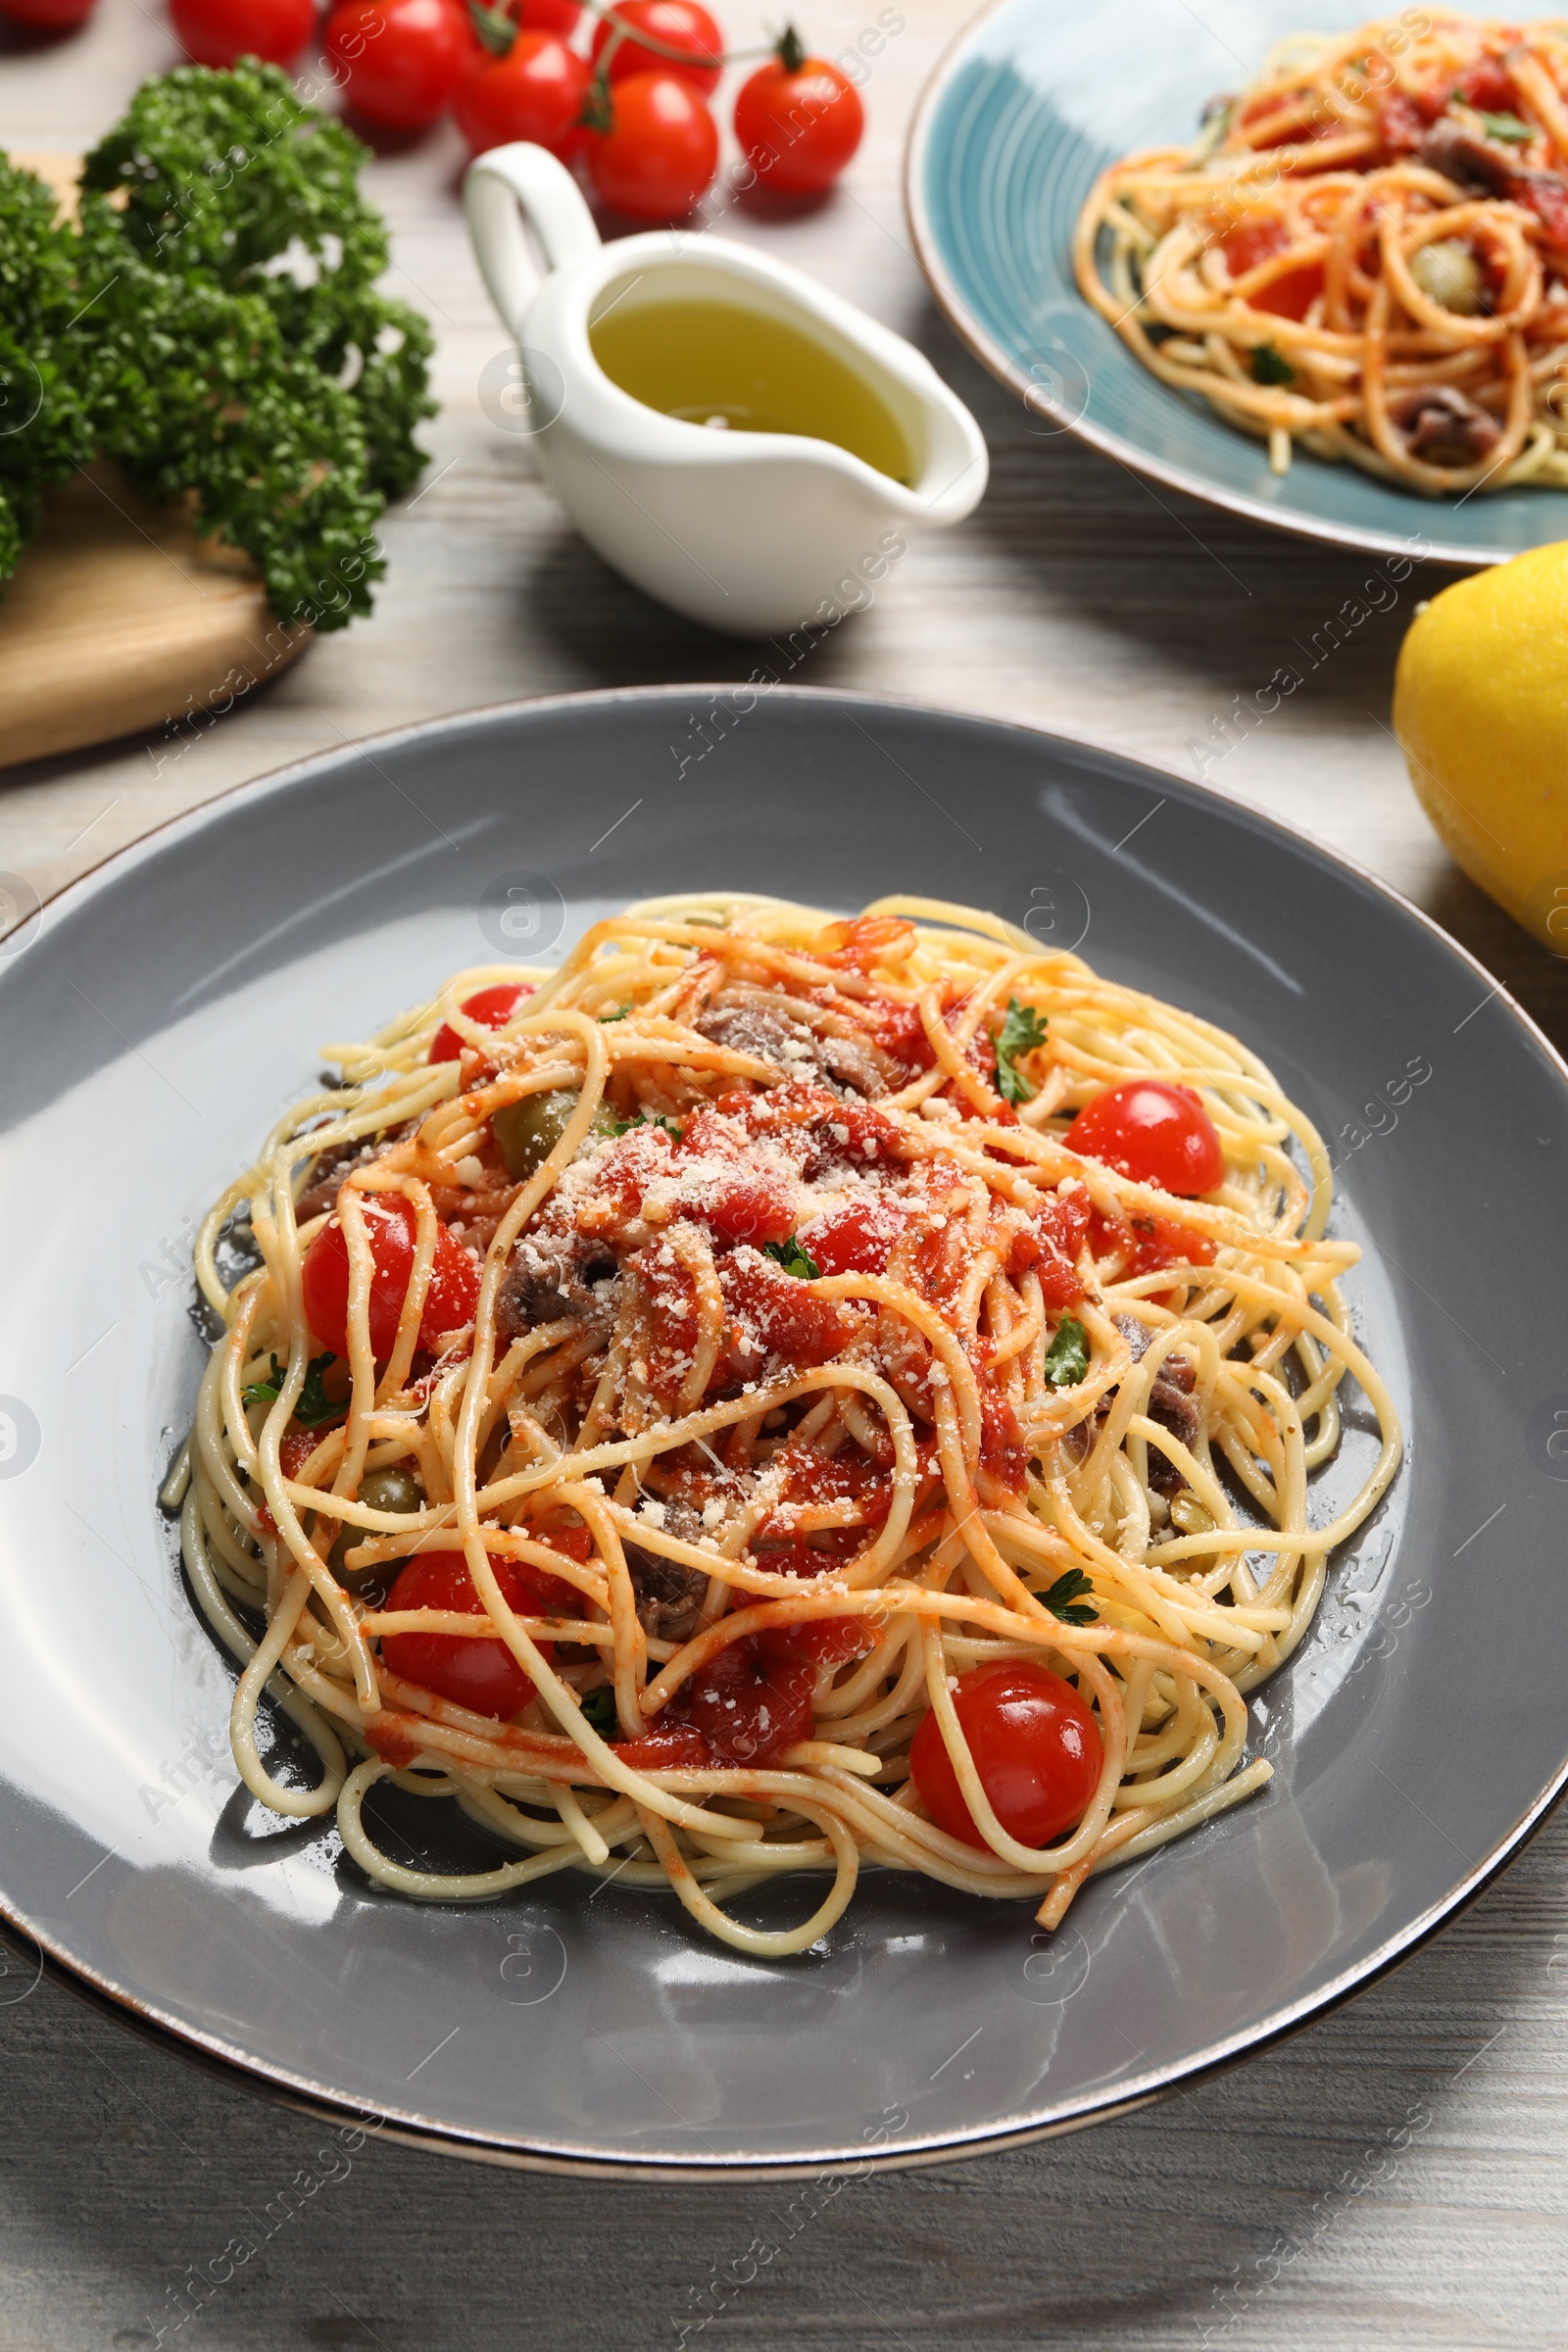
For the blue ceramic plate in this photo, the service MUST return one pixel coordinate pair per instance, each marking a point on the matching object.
(1032, 101)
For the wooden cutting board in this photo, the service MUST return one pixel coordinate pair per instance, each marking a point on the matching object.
(120, 619)
(120, 616)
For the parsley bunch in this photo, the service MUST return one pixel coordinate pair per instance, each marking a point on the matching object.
(214, 326)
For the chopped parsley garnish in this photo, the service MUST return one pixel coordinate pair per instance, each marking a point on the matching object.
(1071, 1598)
(598, 1708)
(1020, 1033)
(619, 1014)
(794, 1259)
(648, 1118)
(1067, 1357)
(1271, 367)
(314, 1406)
(1507, 128)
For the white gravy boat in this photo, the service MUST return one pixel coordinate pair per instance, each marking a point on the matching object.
(752, 532)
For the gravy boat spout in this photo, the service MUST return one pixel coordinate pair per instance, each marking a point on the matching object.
(753, 531)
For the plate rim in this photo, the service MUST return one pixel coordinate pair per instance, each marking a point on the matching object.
(213, 2052)
(979, 341)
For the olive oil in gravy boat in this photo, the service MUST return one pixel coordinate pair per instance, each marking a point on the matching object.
(753, 532)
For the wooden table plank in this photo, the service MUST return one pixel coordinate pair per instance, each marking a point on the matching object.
(1395, 2177)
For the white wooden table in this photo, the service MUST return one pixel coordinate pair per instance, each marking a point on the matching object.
(1397, 2175)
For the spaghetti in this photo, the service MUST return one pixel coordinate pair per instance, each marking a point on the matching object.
(1365, 253)
(667, 1392)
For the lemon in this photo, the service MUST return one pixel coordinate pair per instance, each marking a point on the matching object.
(1481, 711)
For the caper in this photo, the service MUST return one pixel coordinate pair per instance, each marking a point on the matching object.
(389, 1490)
(1190, 1514)
(528, 1131)
(1448, 273)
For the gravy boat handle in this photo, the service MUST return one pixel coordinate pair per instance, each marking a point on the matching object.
(508, 192)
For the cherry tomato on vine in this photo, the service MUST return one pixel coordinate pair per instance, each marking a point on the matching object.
(798, 121)
(393, 1229)
(660, 152)
(535, 92)
(1153, 1132)
(48, 15)
(215, 32)
(1036, 1748)
(401, 61)
(480, 1675)
(676, 24)
(492, 1008)
(548, 16)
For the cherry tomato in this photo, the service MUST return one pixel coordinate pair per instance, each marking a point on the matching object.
(1292, 295)
(1036, 1748)
(393, 1228)
(483, 1676)
(1153, 1132)
(1252, 244)
(548, 16)
(751, 1705)
(215, 32)
(676, 24)
(798, 122)
(492, 1008)
(535, 92)
(666, 1748)
(660, 152)
(553, 1596)
(824, 1641)
(900, 1033)
(855, 1238)
(1051, 1245)
(47, 15)
(1486, 86)
(401, 61)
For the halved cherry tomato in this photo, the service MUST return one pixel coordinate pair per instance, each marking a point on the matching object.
(798, 122)
(749, 1705)
(1036, 1748)
(1051, 1245)
(1154, 1133)
(215, 32)
(492, 1008)
(1291, 295)
(900, 1033)
(393, 1229)
(1407, 120)
(401, 62)
(660, 152)
(480, 1675)
(777, 1314)
(681, 24)
(824, 1641)
(664, 1747)
(553, 1596)
(855, 1238)
(1487, 87)
(1251, 243)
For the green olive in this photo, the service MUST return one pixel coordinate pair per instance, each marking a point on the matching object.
(528, 1131)
(390, 1489)
(1448, 272)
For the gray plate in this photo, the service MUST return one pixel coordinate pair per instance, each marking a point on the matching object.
(161, 1011)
